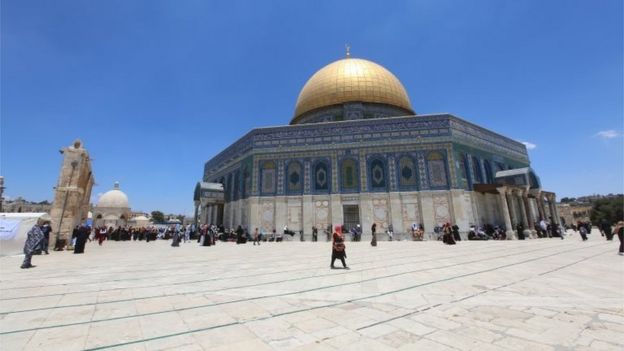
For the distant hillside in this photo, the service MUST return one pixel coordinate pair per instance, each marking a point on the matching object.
(588, 198)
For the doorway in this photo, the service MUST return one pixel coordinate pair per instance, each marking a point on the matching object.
(351, 215)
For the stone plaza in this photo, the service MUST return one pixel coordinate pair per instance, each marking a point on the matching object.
(541, 294)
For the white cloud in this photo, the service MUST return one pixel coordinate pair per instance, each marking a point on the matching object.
(529, 146)
(608, 134)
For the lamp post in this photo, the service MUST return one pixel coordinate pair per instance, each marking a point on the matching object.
(58, 246)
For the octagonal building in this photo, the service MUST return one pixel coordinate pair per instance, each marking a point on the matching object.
(355, 152)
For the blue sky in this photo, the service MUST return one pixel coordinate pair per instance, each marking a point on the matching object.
(156, 88)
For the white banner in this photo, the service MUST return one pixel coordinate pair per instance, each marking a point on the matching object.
(8, 228)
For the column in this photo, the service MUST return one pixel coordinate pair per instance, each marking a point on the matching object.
(554, 200)
(503, 197)
(553, 209)
(523, 213)
(540, 205)
(195, 218)
(527, 209)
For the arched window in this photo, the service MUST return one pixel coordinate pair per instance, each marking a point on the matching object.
(408, 178)
(476, 169)
(349, 175)
(321, 177)
(267, 178)
(488, 172)
(294, 183)
(437, 170)
(377, 175)
(464, 171)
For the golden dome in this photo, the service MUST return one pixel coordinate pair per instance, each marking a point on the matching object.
(351, 80)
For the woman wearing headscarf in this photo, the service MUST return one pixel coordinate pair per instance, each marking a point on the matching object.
(338, 247)
(34, 238)
(447, 236)
(175, 238)
(374, 231)
(81, 239)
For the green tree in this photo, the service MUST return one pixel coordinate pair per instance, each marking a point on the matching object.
(158, 217)
(180, 218)
(610, 209)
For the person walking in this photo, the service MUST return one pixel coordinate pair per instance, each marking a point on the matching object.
(240, 237)
(256, 237)
(338, 248)
(605, 227)
(103, 232)
(582, 230)
(46, 229)
(619, 231)
(34, 238)
(81, 239)
(175, 237)
(374, 234)
(314, 233)
(390, 232)
(187, 234)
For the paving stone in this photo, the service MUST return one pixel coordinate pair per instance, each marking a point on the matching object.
(541, 295)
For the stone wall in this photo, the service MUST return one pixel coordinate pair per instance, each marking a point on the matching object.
(401, 209)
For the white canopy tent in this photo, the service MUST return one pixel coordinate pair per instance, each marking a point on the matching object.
(14, 228)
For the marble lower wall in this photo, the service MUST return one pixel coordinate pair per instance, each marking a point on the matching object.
(401, 209)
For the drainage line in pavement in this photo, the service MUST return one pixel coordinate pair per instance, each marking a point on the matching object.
(485, 291)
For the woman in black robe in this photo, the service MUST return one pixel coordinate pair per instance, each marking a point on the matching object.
(374, 231)
(81, 239)
(175, 238)
(240, 238)
(455, 230)
(207, 241)
(447, 236)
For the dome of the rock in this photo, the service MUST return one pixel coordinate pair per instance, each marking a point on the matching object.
(351, 80)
